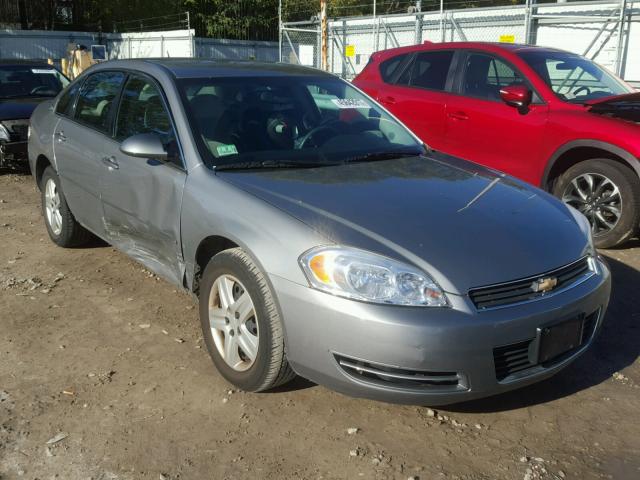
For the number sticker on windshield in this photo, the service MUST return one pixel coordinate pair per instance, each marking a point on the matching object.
(224, 150)
(43, 70)
(350, 103)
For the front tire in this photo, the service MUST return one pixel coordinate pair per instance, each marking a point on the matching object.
(608, 194)
(63, 228)
(241, 323)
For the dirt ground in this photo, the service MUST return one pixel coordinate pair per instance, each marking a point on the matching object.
(104, 375)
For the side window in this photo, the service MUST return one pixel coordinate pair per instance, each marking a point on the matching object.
(389, 67)
(485, 75)
(142, 110)
(428, 70)
(97, 99)
(65, 104)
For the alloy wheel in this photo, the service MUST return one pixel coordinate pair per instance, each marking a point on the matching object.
(233, 322)
(52, 207)
(596, 197)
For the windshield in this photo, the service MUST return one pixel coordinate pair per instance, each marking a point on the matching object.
(290, 119)
(30, 81)
(574, 78)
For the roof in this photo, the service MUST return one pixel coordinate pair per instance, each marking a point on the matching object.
(194, 67)
(11, 61)
(489, 46)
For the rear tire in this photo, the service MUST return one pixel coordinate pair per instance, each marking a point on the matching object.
(62, 226)
(241, 323)
(607, 192)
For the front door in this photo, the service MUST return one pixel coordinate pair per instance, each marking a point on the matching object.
(142, 198)
(78, 140)
(484, 129)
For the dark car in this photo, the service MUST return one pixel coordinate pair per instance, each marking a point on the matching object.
(319, 234)
(550, 117)
(23, 85)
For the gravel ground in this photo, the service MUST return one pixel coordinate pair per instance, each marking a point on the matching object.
(104, 375)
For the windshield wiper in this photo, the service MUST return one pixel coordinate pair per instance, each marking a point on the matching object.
(378, 156)
(256, 164)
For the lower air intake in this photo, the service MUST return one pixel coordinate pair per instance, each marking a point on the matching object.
(385, 375)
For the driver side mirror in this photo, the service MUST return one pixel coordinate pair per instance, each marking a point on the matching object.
(518, 96)
(144, 145)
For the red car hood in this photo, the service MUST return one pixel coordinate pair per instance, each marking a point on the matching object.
(624, 107)
(625, 97)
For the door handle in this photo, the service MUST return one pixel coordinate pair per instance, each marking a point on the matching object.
(61, 137)
(458, 116)
(388, 100)
(111, 162)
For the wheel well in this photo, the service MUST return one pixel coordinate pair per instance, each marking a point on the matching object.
(208, 248)
(42, 163)
(574, 156)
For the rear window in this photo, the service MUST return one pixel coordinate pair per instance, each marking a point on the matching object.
(389, 67)
(428, 70)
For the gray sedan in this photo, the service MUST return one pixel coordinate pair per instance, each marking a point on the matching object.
(320, 236)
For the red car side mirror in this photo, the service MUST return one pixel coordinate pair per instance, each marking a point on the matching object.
(516, 95)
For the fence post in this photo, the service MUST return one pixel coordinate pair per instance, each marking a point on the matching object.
(418, 35)
(280, 31)
(620, 45)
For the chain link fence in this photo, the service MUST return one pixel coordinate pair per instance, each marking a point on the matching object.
(605, 31)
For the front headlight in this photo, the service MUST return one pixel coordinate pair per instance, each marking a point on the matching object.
(4, 133)
(360, 275)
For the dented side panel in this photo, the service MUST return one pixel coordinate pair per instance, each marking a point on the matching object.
(141, 204)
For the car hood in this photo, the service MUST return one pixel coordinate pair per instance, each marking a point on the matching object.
(466, 225)
(625, 107)
(19, 108)
(627, 97)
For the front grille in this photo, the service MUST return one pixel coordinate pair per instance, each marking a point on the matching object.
(522, 290)
(399, 377)
(514, 358)
(18, 129)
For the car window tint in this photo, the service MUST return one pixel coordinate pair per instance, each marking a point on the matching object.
(65, 104)
(389, 67)
(142, 110)
(30, 81)
(428, 70)
(97, 99)
(485, 75)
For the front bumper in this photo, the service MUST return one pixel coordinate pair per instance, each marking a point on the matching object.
(12, 153)
(450, 351)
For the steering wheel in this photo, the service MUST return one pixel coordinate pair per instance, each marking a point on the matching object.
(303, 141)
(40, 90)
(579, 89)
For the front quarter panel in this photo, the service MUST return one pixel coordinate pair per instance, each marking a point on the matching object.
(274, 239)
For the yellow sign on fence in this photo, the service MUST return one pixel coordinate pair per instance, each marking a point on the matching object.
(350, 51)
(507, 38)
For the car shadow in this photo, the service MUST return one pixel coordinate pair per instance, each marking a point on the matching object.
(616, 347)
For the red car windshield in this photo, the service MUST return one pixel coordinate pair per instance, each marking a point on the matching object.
(574, 78)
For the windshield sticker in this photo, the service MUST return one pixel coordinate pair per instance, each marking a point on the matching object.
(43, 70)
(224, 150)
(350, 103)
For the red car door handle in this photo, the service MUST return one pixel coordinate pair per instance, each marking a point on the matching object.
(458, 116)
(388, 100)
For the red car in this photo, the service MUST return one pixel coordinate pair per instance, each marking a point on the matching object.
(549, 117)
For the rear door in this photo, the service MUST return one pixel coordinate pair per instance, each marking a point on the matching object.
(78, 141)
(142, 198)
(418, 95)
(484, 129)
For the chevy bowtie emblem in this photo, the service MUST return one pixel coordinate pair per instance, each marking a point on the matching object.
(544, 284)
